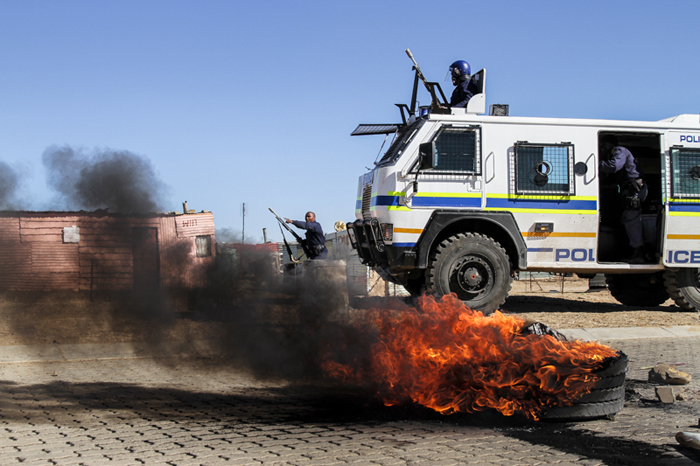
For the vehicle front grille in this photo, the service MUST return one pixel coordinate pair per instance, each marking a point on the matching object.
(366, 200)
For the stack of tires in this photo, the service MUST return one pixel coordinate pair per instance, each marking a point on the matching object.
(605, 400)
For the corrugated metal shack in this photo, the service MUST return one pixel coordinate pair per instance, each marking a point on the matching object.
(102, 251)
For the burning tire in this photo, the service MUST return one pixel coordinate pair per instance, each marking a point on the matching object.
(605, 399)
(474, 267)
(684, 287)
(646, 289)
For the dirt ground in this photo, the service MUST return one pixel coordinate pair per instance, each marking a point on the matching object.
(71, 318)
(578, 306)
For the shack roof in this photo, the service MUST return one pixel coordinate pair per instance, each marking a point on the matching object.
(94, 213)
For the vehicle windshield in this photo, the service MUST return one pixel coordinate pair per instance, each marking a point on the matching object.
(402, 138)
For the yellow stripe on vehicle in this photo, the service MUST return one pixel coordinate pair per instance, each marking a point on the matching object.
(536, 197)
(543, 211)
(416, 231)
(425, 194)
(682, 236)
(559, 235)
(684, 214)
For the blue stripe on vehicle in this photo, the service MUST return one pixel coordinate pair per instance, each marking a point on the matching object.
(498, 203)
(492, 203)
(385, 200)
(540, 249)
(446, 201)
(684, 207)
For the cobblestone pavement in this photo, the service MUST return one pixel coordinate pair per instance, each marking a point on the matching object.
(146, 411)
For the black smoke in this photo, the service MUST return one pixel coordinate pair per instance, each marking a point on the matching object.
(120, 181)
(8, 187)
(233, 235)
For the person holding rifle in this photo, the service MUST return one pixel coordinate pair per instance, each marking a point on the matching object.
(315, 241)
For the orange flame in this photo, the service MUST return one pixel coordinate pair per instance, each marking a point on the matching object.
(450, 358)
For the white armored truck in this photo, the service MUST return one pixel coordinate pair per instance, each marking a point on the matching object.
(461, 200)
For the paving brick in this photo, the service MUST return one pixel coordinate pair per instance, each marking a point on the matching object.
(159, 414)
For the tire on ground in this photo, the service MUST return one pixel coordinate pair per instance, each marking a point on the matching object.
(601, 395)
(606, 398)
(585, 411)
(617, 366)
(684, 287)
(646, 289)
(474, 267)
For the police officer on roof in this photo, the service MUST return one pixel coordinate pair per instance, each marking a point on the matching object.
(464, 88)
(315, 240)
(633, 190)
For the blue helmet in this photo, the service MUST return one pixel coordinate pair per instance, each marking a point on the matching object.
(461, 71)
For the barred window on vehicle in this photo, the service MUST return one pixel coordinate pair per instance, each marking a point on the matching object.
(457, 150)
(401, 139)
(685, 170)
(544, 169)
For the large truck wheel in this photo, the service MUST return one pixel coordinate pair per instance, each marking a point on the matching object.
(684, 287)
(474, 267)
(638, 289)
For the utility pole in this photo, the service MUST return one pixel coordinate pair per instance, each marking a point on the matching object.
(243, 234)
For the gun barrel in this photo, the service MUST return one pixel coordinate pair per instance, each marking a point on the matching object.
(410, 55)
(284, 224)
(417, 68)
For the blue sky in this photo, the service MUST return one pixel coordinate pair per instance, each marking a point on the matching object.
(253, 102)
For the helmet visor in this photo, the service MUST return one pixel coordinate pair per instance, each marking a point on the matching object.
(448, 76)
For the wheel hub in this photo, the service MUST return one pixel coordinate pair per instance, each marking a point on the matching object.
(472, 274)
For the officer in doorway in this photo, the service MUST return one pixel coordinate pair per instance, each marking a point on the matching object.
(315, 240)
(633, 190)
(464, 88)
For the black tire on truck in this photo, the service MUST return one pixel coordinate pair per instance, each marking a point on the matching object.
(474, 267)
(684, 287)
(638, 289)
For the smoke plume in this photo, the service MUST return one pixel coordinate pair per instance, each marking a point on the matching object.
(120, 181)
(233, 235)
(8, 187)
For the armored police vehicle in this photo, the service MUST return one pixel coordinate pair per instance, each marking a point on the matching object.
(461, 200)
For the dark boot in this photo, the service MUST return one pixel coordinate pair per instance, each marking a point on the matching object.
(637, 256)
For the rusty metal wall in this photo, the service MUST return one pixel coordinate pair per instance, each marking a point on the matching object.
(35, 256)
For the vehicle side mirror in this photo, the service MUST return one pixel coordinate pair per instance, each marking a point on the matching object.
(426, 153)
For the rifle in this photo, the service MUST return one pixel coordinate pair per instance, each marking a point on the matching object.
(289, 250)
(435, 104)
(301, 242)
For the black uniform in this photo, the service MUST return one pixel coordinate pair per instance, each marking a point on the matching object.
(315, 240)
(633, 191)
(462, 93)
